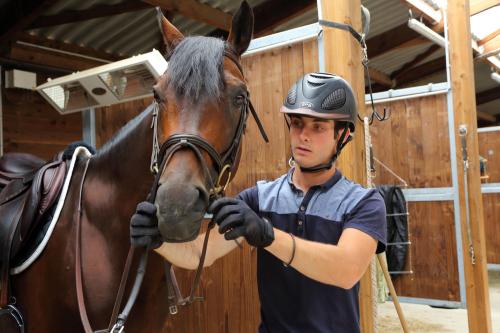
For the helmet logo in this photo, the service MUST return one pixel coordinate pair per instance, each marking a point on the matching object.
(307, 104)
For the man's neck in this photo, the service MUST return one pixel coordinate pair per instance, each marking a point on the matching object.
(305, 180)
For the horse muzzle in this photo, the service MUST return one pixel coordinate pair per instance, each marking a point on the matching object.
(180, 211)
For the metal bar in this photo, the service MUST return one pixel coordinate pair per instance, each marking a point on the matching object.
(433, 302)
(45, 48)
(321, 42)
(408, 93)
(1, 111)
(490, 188)
(429, 194)
(398, 214)
(283, 38)
(399, 243)
(488, 129)
(454, 167)
(494, 267)
(88, 122)
(401, 272)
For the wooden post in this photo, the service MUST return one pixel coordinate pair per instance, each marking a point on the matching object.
(343, 55)
(464, 108)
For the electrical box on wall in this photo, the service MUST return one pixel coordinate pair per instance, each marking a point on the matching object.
(16, 78)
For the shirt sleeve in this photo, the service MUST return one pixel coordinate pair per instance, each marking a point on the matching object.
(251, 198)
(369, 216)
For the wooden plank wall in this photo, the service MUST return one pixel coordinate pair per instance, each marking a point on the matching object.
(230, 285)
(489, 148)
(414, 144)
(31, 125)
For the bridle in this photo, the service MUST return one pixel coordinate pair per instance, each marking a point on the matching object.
(224, 163)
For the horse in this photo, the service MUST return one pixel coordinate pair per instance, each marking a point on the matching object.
(199, 115)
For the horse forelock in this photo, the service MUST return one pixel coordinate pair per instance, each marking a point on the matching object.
(195, 68)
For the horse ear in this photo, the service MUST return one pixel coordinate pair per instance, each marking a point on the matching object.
(241, 30)
(171, 36)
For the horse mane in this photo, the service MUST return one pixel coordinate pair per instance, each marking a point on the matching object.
(195, 68)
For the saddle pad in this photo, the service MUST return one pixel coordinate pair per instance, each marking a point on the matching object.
(80, 151)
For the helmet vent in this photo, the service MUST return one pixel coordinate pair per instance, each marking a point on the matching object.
(335, 100)
(292, 96)
(315, 84)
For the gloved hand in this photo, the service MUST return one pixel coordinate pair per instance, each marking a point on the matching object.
(144, 227)
(236, 219)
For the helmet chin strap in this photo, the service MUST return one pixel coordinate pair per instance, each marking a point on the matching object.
(327, 166)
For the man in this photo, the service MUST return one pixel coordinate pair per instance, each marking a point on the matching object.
(315, 231)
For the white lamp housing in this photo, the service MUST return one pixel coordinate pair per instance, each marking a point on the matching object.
(118, 82)
(426, 32)
(495, 76)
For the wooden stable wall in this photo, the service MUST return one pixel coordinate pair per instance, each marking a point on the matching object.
(230, 285)
(31, 125)
(489, 148)
(414, 143)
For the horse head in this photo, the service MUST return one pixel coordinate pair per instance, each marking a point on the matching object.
(203, 103)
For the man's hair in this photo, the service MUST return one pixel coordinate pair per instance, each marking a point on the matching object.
(339, 127)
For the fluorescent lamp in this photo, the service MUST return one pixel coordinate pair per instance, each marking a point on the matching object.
(496, 77)
(113, 83)
(426, 32)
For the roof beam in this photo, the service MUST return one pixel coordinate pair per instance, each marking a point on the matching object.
(379, 77)
(488, 37)
(282, 11)
(17, 16)
(422, 71)
(400, 36)
(477, 6)
(97, 11)
(196, 11)
(419, 58)
(486, 116)
(487, 96)
(491, 46)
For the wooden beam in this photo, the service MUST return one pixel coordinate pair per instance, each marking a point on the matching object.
(488, 37)
(486, 117)
(471, 219)
(380, 78)
(421, 71)
(491, 46)
(282, 11)
(425, 10)
(53, 44)
(97, 11)
(487, 96)
(41, 57)
(197, 11)
(477, 6)
(339, 51)
(391, 39)
(16, 17)
(419, 58)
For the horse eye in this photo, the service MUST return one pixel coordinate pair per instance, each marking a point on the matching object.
(239, 100)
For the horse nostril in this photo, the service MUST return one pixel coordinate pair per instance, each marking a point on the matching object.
(202, 194)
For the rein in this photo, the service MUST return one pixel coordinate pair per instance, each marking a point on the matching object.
(224, 164)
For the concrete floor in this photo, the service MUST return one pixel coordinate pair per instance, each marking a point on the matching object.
(423, 318)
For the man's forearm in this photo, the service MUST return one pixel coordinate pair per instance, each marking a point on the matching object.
(187, 255)
(326, 263)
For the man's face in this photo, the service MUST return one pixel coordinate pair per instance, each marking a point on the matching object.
(312, 140)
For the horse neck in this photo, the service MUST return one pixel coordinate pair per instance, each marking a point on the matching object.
(118, 175)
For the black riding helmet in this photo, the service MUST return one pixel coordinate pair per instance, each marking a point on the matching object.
(326, 96)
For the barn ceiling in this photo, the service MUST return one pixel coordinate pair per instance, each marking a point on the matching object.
(48, 34)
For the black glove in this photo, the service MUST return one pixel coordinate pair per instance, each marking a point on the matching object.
(236, 219)
(144, 227)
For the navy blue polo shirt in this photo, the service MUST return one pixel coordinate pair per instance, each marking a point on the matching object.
(290, 301)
